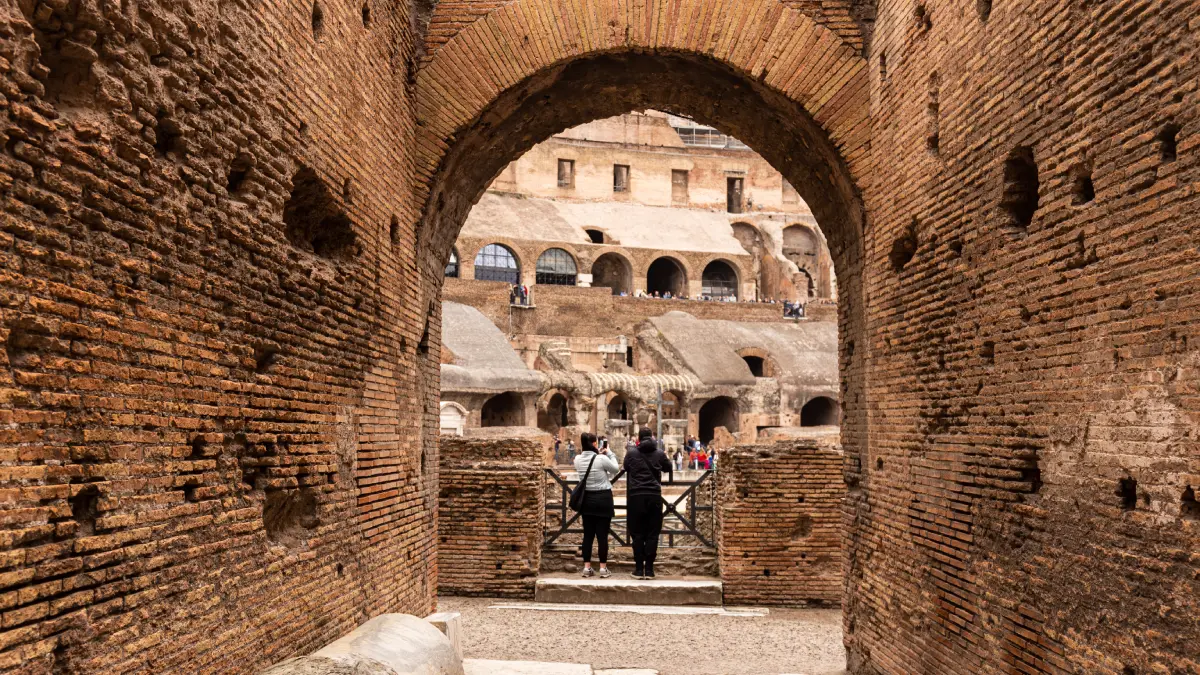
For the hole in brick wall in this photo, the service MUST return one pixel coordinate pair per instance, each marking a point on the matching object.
(340, 569)
(800, 500)
(499, 564)
(394, 229)
(988, 351)
(1168, 143)
(955, 246)
(984, 7)
(1020, 197)
(348, 190)
(879, 464)
(199, 446)
(1189, 508)
(288, 515)
(264, 358)
(933, 125)
(904, 247)
(168, 136)
(423, 345)
(1082, 188)
(883, 65)
(423, 457)
(84, 507)
(67, 47)
(1127, 491)
(318, 21)
(239, 170)
(313, 221)
(850, 349)
(802, 527)
(1033, 476)
(302, 130)
(923, 17)
(1129, 670)
(766, 573)
(27, 340)
(366, 15)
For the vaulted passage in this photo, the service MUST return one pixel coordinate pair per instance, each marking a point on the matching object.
(227, 226)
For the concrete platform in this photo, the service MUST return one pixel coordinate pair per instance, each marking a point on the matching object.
(620, 590)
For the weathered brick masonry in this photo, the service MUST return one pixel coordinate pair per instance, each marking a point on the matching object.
(491, 510)
(779, 524)
(223, 234)
(215, 390)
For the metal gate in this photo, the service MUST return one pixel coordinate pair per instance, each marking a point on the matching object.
(688, 519)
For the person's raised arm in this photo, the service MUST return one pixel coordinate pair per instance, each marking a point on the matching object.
(669, 468)
(609, 464)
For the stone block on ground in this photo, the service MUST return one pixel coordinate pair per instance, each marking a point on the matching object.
(390, 644)
(616, 591)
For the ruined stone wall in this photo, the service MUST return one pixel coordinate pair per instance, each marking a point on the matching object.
(214, 390)
(1027, 502)
(491, 508)
(779, 523)
(590, 312)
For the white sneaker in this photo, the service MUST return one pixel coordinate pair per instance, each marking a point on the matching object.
(588, 573)
(604, 573)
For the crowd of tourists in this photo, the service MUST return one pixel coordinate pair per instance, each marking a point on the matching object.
(518, 295)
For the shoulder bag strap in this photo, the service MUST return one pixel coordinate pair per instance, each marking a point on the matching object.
(589, 471)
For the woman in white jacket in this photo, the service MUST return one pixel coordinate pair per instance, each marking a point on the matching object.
(597, 511)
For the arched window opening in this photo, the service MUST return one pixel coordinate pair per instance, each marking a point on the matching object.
(496, 262)
(822, 411)
(453, 418)
(613, 271)
(452, 265)
(719, 412)
(672, 405)
(556, 267)
(503, 410)
(800, 245)
(595, 236)
(755, 364)
(666, 275)
(555, 415)
(719, 281)
(619, 408)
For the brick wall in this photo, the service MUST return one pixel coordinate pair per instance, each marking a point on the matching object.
(491, 508)
(213, 392)
(779, 520)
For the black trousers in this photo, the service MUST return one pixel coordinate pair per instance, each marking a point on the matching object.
(645, 527)
(595, 528)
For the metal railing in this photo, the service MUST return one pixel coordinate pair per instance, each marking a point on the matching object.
(688, 517)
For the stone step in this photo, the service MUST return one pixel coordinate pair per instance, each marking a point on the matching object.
(627, 591)
(490, 667)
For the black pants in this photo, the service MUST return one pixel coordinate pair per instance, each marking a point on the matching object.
(645, 526)
(596, 528)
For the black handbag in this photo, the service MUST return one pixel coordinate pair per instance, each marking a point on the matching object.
(576, 502)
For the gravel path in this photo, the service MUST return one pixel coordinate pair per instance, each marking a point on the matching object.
(787, 641)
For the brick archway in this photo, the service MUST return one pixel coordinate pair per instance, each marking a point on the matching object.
(776, 79)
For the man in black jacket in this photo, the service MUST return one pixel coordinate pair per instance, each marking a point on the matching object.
(643, 475)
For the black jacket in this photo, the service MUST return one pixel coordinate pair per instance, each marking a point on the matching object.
(644, 468)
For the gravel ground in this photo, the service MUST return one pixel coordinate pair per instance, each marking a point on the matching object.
(787, 641)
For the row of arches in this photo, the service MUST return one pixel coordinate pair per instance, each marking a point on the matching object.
(556, 266)
(508, 410)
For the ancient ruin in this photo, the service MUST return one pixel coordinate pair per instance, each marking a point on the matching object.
(226, 230)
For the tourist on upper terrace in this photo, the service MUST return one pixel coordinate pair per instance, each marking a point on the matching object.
(643, 470)
(599, 467)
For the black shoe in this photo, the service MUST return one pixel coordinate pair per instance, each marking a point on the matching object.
(637, 572)
(649, 571)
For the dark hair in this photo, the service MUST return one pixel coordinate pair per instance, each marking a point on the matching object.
(587, 442)
(644, 433)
